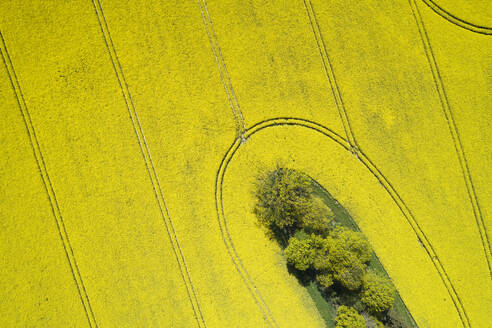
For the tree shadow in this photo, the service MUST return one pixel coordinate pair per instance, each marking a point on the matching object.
(304, 277)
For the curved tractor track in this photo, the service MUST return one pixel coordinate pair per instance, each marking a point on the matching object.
(456, 20)
(291, 121)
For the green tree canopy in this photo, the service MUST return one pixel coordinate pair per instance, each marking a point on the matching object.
(337, 257)
(350, 276)
(352, 242)
(318, 217)
(347, 317)
(378, 293)
(284, 198)
(344, 254)
(300, 253)
(322, 259)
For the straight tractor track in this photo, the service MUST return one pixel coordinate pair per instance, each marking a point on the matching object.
(349, 144)
(48, 186)
(362, 157)
(223, 72)
(149, 164)
(330, 75)
(448, 114)
(240, 130)
(452, 127)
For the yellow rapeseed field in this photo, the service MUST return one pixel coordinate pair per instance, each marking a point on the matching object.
(132, 133)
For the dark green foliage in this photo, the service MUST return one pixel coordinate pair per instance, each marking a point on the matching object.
(372, 322)
(348, 317)
(393, 318)
(378, 293)
(284, 198)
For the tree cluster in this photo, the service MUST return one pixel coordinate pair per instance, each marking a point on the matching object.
(336, 256)
(341, 257)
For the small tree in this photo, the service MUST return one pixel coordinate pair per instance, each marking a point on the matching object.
(300, 253)
(350, 276)
(347, 317)
(322, 259)
(346, 255)
(284, 198)
(352, 241)
(378, 293)
(318, 217)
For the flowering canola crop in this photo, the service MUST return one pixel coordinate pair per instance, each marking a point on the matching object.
(116, 117)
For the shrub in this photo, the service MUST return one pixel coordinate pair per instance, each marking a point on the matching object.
(325, 279)
(348, 317)
(378, 293)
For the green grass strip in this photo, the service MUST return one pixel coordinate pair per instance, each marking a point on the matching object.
(324, 306)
